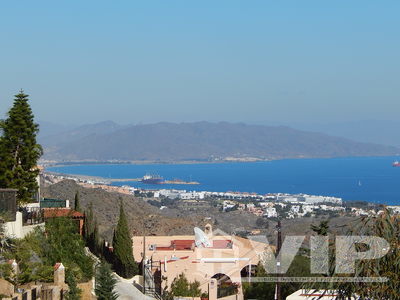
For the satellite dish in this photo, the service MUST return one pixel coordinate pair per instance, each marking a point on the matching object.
(201, 239)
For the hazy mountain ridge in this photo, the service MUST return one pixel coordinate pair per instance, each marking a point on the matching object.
(367, 131)
(199, 141)
(59, 137)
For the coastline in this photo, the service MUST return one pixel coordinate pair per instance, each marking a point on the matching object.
(351, 178)
(110, 181)
(50, 164)
(149, 162)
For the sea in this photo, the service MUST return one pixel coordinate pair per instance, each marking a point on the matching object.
(371, 179)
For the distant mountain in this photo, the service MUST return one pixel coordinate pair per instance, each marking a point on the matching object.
(50, 129)
(200, 141)
(367, 131)
(57, 137)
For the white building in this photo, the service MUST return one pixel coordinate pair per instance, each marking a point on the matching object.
(228, 204)
(191, 195)
(17, 229)
(394, 209)
(270, 212)
(311, 199)
(309, 208)
(172, 194)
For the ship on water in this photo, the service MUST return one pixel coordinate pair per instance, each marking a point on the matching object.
(152, 179)
(396, 163)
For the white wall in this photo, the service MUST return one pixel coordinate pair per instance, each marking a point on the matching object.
(16, 229)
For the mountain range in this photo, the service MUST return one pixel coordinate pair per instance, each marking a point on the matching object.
(199, 141)
(368, 131)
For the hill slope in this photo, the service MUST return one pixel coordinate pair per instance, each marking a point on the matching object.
(204, 141)
(106, 210)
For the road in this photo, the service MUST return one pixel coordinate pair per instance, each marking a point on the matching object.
(127, 291)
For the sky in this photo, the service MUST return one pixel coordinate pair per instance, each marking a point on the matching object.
(181, 61)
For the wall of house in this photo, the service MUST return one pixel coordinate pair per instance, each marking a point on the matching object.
(87, 290)
(233, 297)
(189, 261)
(6, 288)
(27, 293)
(16, 229)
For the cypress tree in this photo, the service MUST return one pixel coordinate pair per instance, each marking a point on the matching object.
(91, 231)
(19, 151)
(105, 283)
(96, 239)
(88, 226)
(77, 205)
(124, 263)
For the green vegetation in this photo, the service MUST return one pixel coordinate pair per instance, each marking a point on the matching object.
(386, 226)
(322, 228)
(105, 283)
(19, 151)
(65, 245)
(300, 267)
(77, 205)
(282, 211)
(183, 288)
(91, 232)
(74, 292)
(227, 289)
(6, 244)
(39, 251)
(124, 263)
(262, 223)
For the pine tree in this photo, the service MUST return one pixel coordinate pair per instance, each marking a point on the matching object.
(19, 151)
(77, 206)
(124, 263)
(105, 283)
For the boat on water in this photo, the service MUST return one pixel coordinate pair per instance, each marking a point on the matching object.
(152, 179)
(396, 163)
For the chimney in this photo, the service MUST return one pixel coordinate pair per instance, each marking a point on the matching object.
(208, 231)
(59, 274)
(14, 266)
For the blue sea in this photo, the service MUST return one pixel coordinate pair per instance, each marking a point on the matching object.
(370, 179)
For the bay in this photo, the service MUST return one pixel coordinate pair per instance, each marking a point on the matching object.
(372, 179)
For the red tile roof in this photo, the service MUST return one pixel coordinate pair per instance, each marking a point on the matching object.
(178, 245)
(222, 244)
(189, 244)
(57, 266)
(61, 212)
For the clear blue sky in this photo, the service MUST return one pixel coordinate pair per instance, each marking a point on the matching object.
(250, 61)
